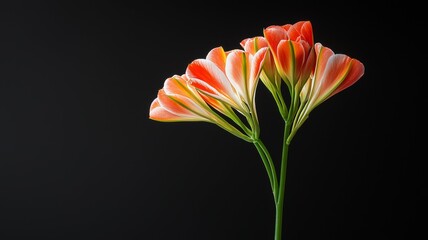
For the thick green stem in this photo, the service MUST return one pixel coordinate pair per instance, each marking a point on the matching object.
(281, 190)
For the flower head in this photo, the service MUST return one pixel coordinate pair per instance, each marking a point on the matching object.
(333, 74)
(292, 50)
(221, 89)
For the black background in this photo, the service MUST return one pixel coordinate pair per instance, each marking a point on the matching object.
(79, 158)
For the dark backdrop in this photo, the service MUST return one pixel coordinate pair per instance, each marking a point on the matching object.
(79, 158)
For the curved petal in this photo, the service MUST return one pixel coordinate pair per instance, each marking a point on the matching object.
(176, 85)
(293, 32)
(252, 45)
(322, 55)
(273, 35)
(291, 59)
(269, 68)
(217, 56)
(206, 71)
(257, 63)
(164, 108)
(305, 30)
(336, 69)
(334, 73)
(237, 71)
(356, 71)
(243, 70)
(181, 106)
(207, 77)
(158, 113)
(307, 70)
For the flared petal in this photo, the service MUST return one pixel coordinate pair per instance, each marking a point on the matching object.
(323, 54)
(336, 70)
(211, 81)
(218, 56)
(333, 73)
(178, 85)
(356, 71)
(175, 108)
(158, 113)
(202, 70)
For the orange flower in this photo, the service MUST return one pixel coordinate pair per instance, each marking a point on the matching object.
(229, 80)
(333, 74)
(292, 49)
(225, 82)
(269, 74)
(176, 101)
(229, 77)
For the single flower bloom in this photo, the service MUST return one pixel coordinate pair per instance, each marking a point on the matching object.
(292, 50)
(333, 74)
(269, 75)
(177, 101)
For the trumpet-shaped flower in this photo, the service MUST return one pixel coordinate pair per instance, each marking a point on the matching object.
(269, 75)
(292, 49)
(228, 80)
(176, 101)
(229, 77)
(333, 74)
(179, 102)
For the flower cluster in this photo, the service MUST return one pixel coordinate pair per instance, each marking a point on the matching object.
(221, 89)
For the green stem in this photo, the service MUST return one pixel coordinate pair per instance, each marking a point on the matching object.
(281, 104)
(281, 191)
(269, 166)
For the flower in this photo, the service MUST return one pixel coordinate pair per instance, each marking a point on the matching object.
(177, 101)
(292, 50)
(229, 80)
(269, 75)
(291, 59)
(333, 74)
(221, 89)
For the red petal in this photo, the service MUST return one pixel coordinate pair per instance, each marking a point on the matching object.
(305, 29)
(273, 35)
